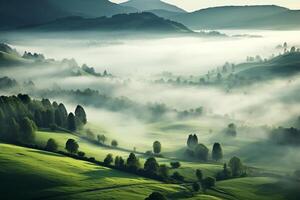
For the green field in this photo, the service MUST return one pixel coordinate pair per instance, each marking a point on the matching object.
(34, 174)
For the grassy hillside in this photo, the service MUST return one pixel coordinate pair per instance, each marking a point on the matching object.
(10, 60)
(38, 174)
(281, 66)
(262, 188)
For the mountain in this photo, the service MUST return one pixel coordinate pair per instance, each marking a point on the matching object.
(241, 17)
(147, 5)
(143, 22)
(14, 13)
(91, 8)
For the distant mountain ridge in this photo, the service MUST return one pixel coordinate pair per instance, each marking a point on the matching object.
(147, 5)
(143, 22)
(241, 17)
(14, 13)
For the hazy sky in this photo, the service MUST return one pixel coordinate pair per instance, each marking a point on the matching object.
(197, 4)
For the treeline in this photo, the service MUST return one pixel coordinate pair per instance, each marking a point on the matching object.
(286, 136)
(21, 116)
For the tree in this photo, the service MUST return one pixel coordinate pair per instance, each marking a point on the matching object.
(163, 171)
(156, 196)
(71, 122)
(81, 154)
(51, 145)
(90, 135)
(72, 146)
(208, 182)
(231, 130)
(63, 113)
(132, 162)
(293, 49)
(196, 187)
(199, 174)
(58, 118)
(151, 165)
(175, 165)
(177, 176)
(236, 166)
(156, 147)
(114, 143)
(14, 127)
(28, 129)
(224, 174)
(201, 152)
(101, 138)
(80, 114)
(108, 159)
(192, 141)
(217, 152)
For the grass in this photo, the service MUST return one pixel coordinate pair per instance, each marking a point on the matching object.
(187, 168)
(37, 174)
(262, 188)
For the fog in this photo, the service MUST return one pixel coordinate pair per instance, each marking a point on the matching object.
(129, 56)
(136, 63)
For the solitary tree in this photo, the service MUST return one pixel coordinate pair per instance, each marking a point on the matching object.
(199, 174)
(151, 165)
(236, 166)
(231, 130)
(108, 159)
(217, 153)
(51, 145)
(72, 146)
(80, 114)
(101, 138)
(175, 165)
(28, 129)
(132, 162)
(71, 122)
(114, 143)
(208, 182)
(192, 141)
(156, 147)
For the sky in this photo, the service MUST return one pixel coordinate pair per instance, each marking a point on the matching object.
(191, 5)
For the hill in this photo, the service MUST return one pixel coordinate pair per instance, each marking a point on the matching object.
(241, 17)
(146, 5)
(122, 22)
(43, 175)
(278, 67)
(16, 13)
(91, 8)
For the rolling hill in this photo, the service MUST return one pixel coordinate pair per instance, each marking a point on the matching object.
(144, 22)
(16, 13)
(241, 17)
(147, 5)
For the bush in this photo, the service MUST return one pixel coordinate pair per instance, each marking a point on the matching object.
(114, 143)
(175, 165)
(81, 154)
(156, 196)
(177, 176)
(196, 187)
(208, 182)
(51, 145)
(109, 159)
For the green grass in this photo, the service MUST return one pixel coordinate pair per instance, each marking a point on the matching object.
(187, 168)
(262, 188)
(34, 174)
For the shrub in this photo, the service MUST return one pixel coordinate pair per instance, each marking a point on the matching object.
(175, 165)
(196, 187)
(177, 176)
(51, 145)
(156, 196)
(81, 154)
(208, 182)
